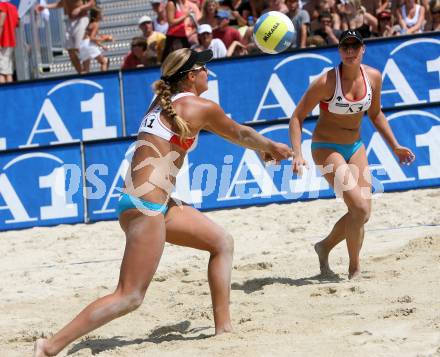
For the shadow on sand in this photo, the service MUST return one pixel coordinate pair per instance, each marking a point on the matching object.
(175, 332)
(253, 285)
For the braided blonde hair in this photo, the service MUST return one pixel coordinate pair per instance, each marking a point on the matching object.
(164, 90)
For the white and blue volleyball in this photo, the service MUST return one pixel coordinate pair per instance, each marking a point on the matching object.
(274, 32)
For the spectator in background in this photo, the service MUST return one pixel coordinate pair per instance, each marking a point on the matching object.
(411, 17)
(155, 40)
(240, 10)
(76, 24)
(90, 46)
(135, 57)
(385, 26)
(8, 22)
(434, 7)
(206, 41)
(209, 10)
(301, 21)
(176, 38)
(237, 49)
(257, 7)
(326, 30)
(355, 17)
(276, 5)
(160, 23)
(192, 22)
(325, 6)
(225, 32)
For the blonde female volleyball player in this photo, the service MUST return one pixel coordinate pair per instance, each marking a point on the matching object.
(344, 94)
(147, 215)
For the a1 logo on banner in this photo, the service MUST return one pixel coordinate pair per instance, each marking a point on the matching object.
(95, 105)
(35, 188)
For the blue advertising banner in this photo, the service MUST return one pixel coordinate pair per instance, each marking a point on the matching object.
(60, 111)
(269, 87)
(106, 166)
(219, 174)
(41, 188)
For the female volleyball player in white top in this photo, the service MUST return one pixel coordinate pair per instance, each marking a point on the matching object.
(147, 214)
(345, 93)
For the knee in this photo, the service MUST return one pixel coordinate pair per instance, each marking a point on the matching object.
(224, 244)
(129, 301)
(360, 212)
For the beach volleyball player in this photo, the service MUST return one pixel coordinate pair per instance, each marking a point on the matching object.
(147, 214)
(344, 94)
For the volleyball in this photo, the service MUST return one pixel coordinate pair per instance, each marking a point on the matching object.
(273, 32)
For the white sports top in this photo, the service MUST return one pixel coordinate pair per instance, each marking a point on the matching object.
(341, 105)
(152, 124)
(410, 22)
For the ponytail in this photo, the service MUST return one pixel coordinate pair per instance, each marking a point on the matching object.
(163, 91)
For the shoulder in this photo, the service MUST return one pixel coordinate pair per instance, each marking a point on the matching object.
(327, 79)
(373, 74)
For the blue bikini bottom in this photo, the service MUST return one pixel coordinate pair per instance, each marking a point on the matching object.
(127, 201)
(346, 150)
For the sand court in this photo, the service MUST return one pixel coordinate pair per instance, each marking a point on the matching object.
(280, 304)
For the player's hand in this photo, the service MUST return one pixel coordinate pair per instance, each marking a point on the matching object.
(39, 8)
(405, 155)
(278, 152)
(297, 165)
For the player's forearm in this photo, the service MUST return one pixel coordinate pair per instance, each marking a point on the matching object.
(384, 129)
(295, 129)
(250, 139)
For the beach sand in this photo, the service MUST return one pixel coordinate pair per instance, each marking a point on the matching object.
(280, 305)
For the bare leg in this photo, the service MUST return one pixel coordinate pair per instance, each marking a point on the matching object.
(103, 61)
(86, 66)
(357, 182)
(2, 78)
(74, 58)
(144, 247)
(188, 227)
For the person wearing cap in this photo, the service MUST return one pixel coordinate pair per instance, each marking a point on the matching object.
(155, 40)
(207, 42)
(223, 31)
(9, 21)
(385, 26)
(149, 216)
(160, 23)
(344, 94)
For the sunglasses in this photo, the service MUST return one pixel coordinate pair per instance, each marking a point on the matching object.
(197, 69)
(354, 46)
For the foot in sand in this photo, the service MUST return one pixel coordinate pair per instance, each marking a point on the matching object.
(323, 260)
(224, 329)
(354, 274)
(39, 348)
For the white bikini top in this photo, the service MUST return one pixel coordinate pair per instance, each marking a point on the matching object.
(152, 124)
(410, 22)
(341, 105)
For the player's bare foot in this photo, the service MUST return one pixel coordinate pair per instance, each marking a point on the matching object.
(223, 329)
(323, 260)
(39, 348)
(353, 274)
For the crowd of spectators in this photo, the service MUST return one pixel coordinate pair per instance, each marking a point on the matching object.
(225, 26)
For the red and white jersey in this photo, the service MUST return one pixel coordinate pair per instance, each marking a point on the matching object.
(152, 124)
(341, 105)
